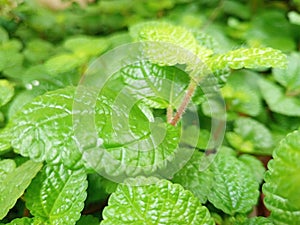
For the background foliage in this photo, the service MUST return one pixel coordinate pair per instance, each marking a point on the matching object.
(45, 47)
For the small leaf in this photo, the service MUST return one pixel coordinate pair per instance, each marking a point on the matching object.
(57, 195)
(250, 136)
(234, 189)
(192, 178)
(277, 100)
(145, 200)
(282, 187)
(17, 180)
(6, 92)
(22, 221)
(85, 46)
(290, 76)
(62, 63)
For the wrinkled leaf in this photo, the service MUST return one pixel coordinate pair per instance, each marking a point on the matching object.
(17, 180)
(234, 188)
(282, 187)
(250, 136)
(57, 195)
(255, 165)
(159, 201)
(193, 178)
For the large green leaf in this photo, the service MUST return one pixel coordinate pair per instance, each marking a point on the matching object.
(15, 183)
(153, 201)
(282, 187)
(6, 92)
(57, 195)
(250, 136)
(159, 86)
(290, 77)
(194, 178)
(234, 188)
(277, 99)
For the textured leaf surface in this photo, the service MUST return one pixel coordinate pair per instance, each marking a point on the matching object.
(57, 195)
(168, 33)
(277, 99)
(246, 58)
(192, 178)
(22, 221)
(250, 136)
(6, 92)
(153, 201)
(5, 139)
(17, 180)
(43, 130)
(161, 86)
(282, 187)
(257, 221)
(255, 165)
(234, 188)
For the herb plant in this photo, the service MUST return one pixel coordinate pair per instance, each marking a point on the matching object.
(131, 151)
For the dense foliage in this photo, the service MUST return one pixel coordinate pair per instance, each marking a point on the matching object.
(55, 170)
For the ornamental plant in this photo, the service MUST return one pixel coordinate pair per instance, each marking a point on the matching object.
(160, 124)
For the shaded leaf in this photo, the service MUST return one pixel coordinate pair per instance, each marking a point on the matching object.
(6, 92)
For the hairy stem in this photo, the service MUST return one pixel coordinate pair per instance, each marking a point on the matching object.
(187, 98)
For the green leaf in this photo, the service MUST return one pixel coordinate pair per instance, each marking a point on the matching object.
(17, 180)
(5, 140)
(153, 201)
(43, 130)
(257, 221)
(193, 178)
(159, 86)
(57, 195)
(85, 46)
(290, 76)
(277, 99)
(250, 136)
(255, 165)
(38, 50)
(6, 92)
(282, 186)
(6, 166)
(88, 220)
(251, 58)
(168, 33)
(234, 189)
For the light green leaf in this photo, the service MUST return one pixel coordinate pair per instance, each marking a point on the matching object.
(63, 63)
(255, 165)
(252, 58)
(153, 201)
(88, 220)
(294, 17)
(6, 167)
(257, 221)
(57, 195)
(234, 189)
(38, 50)
(5, 139)
(290, 77)
(282, 187)
(250, 136)
(6, 92)
(17, 180)
(277, 99)
(193, 178)
(85, 46)
(168, 33)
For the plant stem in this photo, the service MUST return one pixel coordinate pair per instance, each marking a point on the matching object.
(169, 113)
(187, 98)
